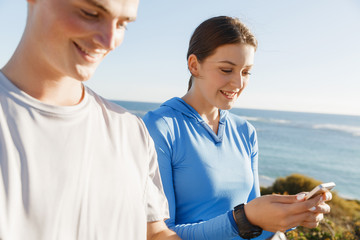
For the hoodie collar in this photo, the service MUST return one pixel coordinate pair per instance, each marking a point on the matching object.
(180, 105)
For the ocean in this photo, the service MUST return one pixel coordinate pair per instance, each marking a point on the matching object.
(325, 147)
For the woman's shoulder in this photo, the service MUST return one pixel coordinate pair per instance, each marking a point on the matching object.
(162, 119)
(163, 113)
(240, 122)
(168, 111)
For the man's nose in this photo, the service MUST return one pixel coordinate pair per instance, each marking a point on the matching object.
(109, 36)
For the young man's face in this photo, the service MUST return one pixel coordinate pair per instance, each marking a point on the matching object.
(71, 37)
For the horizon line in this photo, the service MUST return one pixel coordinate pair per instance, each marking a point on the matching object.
(261, 109)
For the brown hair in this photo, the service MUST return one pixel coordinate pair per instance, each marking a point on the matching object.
(215, 32)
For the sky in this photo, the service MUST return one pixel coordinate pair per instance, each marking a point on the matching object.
(308, 58)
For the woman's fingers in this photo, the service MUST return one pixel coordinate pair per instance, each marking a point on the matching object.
(286, 198)
(304, 206)
(313, 221)
(321, 208)
(327, 196)
(307, 219)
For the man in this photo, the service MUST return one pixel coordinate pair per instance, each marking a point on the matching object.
(73, 165)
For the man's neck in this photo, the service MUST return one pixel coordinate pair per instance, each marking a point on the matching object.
(46, 86)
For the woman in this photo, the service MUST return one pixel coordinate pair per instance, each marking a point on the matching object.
(208, 157)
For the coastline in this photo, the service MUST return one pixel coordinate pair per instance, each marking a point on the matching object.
(266, 181)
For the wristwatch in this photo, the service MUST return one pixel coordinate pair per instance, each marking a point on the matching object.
(246, 229)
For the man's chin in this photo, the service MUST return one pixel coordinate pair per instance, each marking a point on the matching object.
(84, 74)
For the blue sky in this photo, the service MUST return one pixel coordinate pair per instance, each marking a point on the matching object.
(308, 57)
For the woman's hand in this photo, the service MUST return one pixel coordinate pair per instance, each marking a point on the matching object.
(282, 212)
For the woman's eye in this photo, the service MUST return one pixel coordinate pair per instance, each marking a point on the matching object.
(226, 70)
(90, 14)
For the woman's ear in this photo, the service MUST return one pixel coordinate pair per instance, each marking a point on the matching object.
(193, 65)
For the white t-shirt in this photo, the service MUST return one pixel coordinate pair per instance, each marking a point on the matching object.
(78, 172)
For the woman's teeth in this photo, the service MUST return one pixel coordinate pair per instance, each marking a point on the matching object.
(229, 94)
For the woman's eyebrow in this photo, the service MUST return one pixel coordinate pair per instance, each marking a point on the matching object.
(231, 63)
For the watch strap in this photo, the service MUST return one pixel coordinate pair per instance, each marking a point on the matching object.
(245, 228)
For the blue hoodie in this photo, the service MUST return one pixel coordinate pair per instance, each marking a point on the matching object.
(204, 174)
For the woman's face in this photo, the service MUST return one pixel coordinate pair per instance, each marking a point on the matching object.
(221, 77)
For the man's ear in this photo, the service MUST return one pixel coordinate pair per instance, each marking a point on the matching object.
(193, 65)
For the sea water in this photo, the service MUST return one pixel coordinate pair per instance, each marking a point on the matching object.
(325, 147)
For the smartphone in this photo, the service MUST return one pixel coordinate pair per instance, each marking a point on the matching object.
(320, 189)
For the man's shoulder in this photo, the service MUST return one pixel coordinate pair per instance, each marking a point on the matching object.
(117, 118)
(106, 103)
(113, 110)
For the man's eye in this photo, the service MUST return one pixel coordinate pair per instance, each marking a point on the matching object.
(122, 25)
(226, 70)
(91, 14)
(246, 73)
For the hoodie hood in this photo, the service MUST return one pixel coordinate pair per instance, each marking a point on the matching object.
(181, 106)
